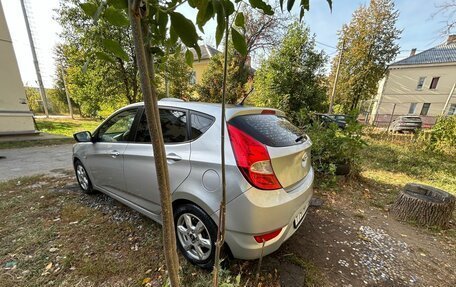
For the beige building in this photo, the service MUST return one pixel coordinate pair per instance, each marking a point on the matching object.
(422, 84)
(15, 116)
(199, 67)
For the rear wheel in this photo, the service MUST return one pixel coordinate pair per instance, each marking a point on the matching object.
(83, 178)
(196, 235)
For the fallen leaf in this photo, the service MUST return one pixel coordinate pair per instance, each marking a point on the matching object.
(146, 280)
(48, 267)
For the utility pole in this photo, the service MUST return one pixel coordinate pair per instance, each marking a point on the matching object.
(35, 60)
(70, 108)
(448, 99)
(333, 94)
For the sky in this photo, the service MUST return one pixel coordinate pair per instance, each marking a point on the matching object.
(420, 29)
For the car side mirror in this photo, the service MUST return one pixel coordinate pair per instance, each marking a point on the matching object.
(83, 136)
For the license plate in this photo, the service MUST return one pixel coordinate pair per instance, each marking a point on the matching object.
(299, 218)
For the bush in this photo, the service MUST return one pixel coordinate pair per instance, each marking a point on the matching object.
(333, 147)
(443, 135)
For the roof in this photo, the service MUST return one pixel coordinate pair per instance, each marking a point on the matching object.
(444, 53)
(213, 109)
(207, 52)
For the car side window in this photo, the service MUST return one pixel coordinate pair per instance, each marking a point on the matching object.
(173, 123)
(199, 125)
(117, 128)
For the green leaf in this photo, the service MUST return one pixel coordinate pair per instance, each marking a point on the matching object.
(162, 20)
(301, 13)
(86, 65)
(198, 51)
(228, 6)
(189, 58)
(240, 21)
(184, 28)
(104, 57)
(172, 35)
(205, 13)
(330, 3)
(116, 17)
(119, 4)
(115, 48)
(281, 5)
(239, 42)
(157, 51)
(260, 4)
(89, 9)
(290, 4)
(305, 4)
(221, 23)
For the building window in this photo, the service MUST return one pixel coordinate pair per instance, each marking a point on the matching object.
(425, 109)
(452, 110)
(434, 83)
(193, 78)
(412, 109)
(420, 83)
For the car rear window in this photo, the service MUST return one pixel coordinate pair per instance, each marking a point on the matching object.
(412, 119)
(271, 130)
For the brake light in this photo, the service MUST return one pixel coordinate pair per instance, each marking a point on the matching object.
(253, 160)
(268, 112)
(267, 236)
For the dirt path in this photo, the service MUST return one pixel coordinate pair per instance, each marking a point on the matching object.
(364, 246)
(30, 161)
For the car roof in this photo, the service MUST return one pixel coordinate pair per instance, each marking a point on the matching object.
(213, 109)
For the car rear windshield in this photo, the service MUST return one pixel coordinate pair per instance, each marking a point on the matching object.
(411, 119)
(271, 130)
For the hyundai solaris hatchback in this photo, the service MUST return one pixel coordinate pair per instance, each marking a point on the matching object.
(268, 170)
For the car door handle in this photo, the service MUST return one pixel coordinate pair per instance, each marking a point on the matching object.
(115, 153)
(174, 157)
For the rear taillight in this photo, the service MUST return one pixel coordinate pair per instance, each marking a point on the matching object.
(267, 236)
(253, 160)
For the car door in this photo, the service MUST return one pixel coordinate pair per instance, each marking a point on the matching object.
(105, 158)
(139, 164)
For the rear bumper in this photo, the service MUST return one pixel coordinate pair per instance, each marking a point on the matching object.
(258, 212)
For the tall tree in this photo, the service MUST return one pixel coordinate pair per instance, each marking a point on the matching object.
(262, 32)
(447, 10)
(115, 75)
(370, 44)
(292, 78)
(210, 89)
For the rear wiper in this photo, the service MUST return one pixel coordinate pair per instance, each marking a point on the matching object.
(298, 139)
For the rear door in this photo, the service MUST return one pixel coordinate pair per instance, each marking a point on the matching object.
(139, 163)
(288, 146)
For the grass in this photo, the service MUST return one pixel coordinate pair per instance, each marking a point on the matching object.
(61, 126)
(396, 163)
(66, 127)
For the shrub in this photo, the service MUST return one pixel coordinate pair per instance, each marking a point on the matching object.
(333, 147)
(443, 135)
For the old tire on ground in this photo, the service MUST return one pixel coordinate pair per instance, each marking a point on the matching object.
(425, 205)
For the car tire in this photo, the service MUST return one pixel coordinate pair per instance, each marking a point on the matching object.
(196, 234)
(83, 177)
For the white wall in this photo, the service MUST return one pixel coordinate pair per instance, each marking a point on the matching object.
(15, 116)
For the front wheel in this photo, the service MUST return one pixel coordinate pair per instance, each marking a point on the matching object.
(196, 235)
(83, 178)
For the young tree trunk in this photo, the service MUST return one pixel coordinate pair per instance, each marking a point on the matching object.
(425, 205)
(146, 74)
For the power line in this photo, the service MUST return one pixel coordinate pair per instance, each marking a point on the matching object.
(327, 45)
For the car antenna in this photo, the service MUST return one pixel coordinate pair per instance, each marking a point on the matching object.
(245, 97)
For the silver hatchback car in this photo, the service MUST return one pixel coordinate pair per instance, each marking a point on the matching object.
(268, 170)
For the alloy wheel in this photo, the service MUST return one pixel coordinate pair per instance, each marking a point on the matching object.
(194, 236)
